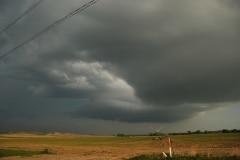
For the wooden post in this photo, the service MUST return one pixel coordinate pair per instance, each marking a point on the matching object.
(164, 155)
(170, 147)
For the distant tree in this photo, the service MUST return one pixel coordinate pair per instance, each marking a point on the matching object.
(197, 132)
(235, 131)
(120, 135)
(226, 131)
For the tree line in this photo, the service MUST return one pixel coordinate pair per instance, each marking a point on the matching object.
(206, 132)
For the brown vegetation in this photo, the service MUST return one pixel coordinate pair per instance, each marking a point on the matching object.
(84, 147)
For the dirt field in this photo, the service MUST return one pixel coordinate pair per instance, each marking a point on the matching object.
(85, 147)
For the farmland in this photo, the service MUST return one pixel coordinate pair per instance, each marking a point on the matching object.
(84, 147)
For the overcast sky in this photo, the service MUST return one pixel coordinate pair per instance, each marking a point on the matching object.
(121, 66)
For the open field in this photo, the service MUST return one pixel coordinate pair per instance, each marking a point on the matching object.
(86, 147)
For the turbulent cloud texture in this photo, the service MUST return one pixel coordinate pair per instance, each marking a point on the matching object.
(127, 61)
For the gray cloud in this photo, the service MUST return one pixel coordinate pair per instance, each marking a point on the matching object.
(100, 110)
(184, 54)
(134, 61)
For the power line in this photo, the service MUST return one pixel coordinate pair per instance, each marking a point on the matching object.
(21, 16)
(50, 27)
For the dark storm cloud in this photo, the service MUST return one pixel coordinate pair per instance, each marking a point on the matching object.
(187, 53)
(99, 110)
(172, 53)
(135, 61)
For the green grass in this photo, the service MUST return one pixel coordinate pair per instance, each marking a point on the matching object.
(120, 141)
(22, 153)
(79, 141)
(159, 157)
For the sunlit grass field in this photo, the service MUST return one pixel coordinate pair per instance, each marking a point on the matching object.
(77, 140)
(192, 145)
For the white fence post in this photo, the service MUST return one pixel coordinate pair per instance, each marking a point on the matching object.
(170, 147)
